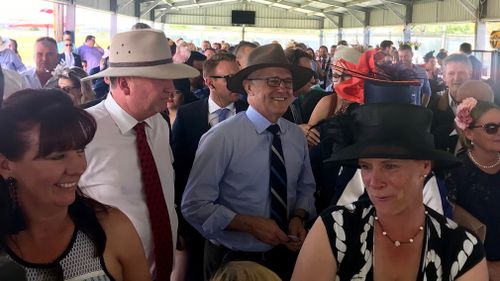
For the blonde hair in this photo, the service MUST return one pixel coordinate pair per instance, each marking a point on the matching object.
(244, 271)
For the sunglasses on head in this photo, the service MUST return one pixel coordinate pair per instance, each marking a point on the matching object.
(489, 128)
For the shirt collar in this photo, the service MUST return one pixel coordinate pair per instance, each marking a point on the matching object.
(261, 123)
(123, 120)
(212, 106)
(452, 103)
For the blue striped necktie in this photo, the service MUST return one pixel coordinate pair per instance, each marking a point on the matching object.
(277, 181)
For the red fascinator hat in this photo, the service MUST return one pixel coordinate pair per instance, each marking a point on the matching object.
(389, 83)
(350, 89)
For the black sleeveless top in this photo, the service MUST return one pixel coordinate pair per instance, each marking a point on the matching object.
(448, 250)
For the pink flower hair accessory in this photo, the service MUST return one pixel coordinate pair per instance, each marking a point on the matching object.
(463, 119)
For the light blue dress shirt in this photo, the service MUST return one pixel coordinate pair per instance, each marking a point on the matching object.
(230, 176)
(10, 60)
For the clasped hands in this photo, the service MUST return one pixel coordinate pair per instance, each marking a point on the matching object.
(268, 231)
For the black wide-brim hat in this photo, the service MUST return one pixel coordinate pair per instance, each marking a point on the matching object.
(393, 131)
(271, 55)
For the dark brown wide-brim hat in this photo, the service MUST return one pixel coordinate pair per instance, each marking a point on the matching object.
(271, 55)
(394, 131)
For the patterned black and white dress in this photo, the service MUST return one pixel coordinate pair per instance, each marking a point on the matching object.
(448, 250)
(78, 262)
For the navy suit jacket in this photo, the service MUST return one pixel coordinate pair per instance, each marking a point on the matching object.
(443, 124)
(190, 124)
(78, 60)
(477, 67)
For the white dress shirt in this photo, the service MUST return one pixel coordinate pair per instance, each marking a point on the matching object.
(13, 82)
(213, 118)
(69, 59)
(113, 174)
(35, 83)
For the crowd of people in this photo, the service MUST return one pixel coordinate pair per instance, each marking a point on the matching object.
(155, 159)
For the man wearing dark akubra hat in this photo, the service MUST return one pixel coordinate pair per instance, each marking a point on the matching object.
(251, 187)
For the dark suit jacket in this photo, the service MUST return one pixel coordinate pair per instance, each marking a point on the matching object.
(190, 124)
(477, 67)
(443, 124)
(78, 60)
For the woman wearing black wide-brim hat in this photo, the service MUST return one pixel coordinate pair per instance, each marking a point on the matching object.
(392, 235)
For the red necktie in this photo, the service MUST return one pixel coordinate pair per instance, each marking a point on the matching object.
(158, 212)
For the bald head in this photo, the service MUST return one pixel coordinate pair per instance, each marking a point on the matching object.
(475, 89)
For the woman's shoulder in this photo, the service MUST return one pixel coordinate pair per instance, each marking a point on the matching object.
(458, 249)
(451, 235)
(115, 223)
(359, 209)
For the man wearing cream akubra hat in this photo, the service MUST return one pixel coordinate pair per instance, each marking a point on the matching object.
(230, 195)
(140, 73)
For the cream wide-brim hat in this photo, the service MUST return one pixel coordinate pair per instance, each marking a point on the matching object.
(143, 53)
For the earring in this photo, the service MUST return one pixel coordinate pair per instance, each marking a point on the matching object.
(471, 143)
(11, 184)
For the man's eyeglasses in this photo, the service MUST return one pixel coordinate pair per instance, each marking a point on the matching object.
(276, 82)
(490, 128)
(69, 45)
(225, 77)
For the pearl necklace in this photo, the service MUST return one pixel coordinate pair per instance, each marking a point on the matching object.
(398, 243)
(481, 165)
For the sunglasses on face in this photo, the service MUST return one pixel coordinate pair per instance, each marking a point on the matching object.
(225, 77)
(69, 45)
(489, 128)
(276, 82)
(67, 89)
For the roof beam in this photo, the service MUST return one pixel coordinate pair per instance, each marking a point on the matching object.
(294, 6)
(356, 17)
(125, 5)
(150, 8)
(343, 5)
(332, 19)
(469, 7)
(398, 2)
(394, 11)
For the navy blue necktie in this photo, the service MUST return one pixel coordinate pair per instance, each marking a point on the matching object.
(222, 114)
(277, 181)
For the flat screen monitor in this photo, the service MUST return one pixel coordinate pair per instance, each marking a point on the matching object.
(243, 17)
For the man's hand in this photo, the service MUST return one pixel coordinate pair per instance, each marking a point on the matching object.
(263, 229)
(296, 230)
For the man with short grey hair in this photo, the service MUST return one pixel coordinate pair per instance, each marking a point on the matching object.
(251, 187)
